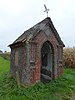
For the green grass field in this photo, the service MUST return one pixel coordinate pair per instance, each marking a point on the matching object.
(4, 65)
(60, 89)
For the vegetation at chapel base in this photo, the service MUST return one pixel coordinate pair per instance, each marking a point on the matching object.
(60, 89)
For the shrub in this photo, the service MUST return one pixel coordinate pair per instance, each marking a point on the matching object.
(69, 57)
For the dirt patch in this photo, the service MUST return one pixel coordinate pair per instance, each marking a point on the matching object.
(73, 98)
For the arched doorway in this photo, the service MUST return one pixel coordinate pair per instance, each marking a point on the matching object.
(46, 62)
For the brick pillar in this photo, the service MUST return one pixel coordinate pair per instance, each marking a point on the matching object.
(27, 62)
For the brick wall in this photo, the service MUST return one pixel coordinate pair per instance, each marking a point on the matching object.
(39, 40)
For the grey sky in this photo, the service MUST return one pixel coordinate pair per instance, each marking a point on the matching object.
(16, 16)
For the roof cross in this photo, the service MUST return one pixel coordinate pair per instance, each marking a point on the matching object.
(46, 10)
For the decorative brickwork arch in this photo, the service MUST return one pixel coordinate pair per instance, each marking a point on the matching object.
(47, 55)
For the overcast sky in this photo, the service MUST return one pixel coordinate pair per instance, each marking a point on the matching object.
(16, 16)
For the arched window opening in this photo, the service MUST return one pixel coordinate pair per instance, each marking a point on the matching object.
(46, 62)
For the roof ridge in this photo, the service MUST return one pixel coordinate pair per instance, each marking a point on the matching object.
(38, 27)
(31, 28)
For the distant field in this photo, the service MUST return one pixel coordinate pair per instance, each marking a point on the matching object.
(4, 65)
(60, 89)
(6, 55)
(69, 57)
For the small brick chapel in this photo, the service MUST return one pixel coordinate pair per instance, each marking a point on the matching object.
(37, 55)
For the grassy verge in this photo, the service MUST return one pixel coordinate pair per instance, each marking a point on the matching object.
(60, 89)
(4, 65)
(6, 55)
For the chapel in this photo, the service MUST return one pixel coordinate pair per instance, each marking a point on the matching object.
(37, 55)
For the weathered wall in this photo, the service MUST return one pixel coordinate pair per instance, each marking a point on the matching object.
(19, 63)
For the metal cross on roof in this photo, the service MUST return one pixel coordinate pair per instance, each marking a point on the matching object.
(46, 10)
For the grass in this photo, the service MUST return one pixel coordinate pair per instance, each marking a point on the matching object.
(60, 89)
(6, 55)
(4, 65)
